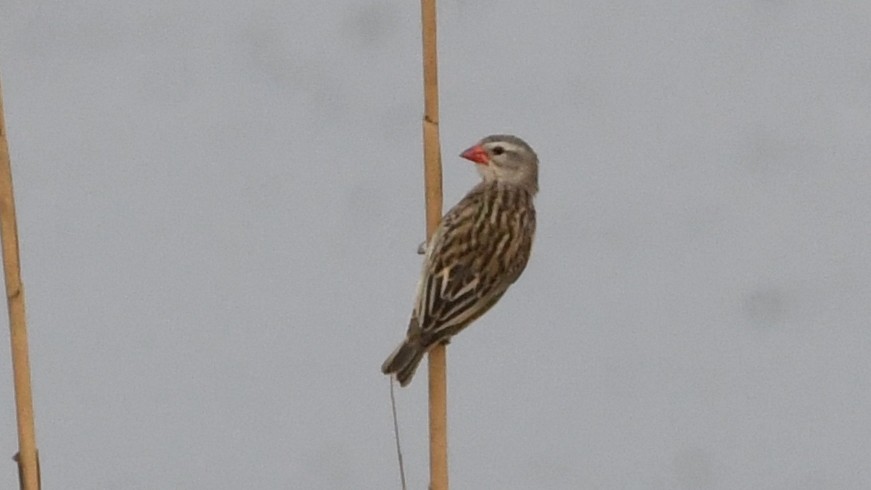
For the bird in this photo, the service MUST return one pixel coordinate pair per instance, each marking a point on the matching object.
(479, 249)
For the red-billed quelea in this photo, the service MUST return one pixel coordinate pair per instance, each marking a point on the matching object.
(479, 249)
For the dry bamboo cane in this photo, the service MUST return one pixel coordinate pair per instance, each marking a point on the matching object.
(28, 463)
(438, 411)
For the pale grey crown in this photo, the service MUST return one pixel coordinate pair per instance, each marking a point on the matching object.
(512, 161)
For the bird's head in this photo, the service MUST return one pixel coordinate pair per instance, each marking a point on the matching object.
(505, 159)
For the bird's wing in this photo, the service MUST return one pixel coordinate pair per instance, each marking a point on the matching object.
(452, 297)
(465, 273)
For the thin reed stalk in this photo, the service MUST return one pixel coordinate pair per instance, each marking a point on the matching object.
(438, 411)
(27, 458)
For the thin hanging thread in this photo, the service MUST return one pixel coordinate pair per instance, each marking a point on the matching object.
(396, 436)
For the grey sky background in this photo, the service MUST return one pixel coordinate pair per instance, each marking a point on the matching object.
(219, 206)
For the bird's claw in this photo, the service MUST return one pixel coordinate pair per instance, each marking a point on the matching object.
(421, 249)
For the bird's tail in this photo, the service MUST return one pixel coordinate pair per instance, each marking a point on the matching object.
(404, 360)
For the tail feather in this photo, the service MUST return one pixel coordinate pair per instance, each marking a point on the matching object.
(403, 361)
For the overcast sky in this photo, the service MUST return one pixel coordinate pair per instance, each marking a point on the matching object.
(219, 205)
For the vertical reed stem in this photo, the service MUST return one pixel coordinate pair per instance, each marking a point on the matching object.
(27, 458)
(438, 412)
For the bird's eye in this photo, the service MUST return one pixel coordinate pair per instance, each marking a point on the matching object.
(498, 150)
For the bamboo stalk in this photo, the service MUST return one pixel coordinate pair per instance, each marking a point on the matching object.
(438, 411)
(27, 458)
